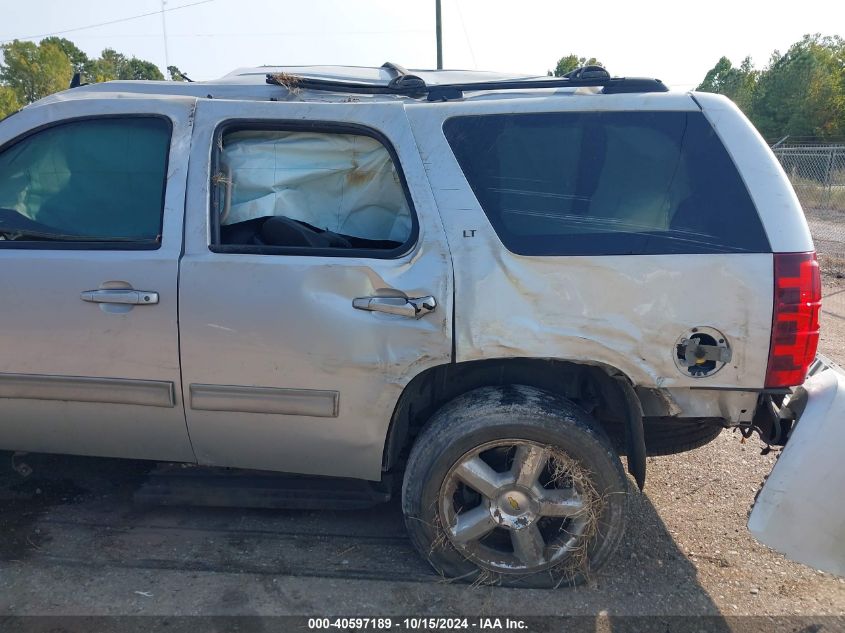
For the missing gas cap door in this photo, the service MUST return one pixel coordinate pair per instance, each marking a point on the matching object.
(701, 352)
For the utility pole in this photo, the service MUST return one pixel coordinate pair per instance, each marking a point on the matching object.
(439, 28)
(164, 35)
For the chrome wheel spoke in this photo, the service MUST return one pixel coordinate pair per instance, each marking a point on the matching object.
(476, 474)
(502, 533)
(528, 463)
(528, 545)
(472, 524)
(559, 502)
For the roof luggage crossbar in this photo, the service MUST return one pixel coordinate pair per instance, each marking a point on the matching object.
(408, 85)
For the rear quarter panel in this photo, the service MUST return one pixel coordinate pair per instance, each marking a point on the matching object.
(626, 312)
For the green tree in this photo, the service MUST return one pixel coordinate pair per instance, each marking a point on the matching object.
(799, 93)
(112, 65)
(176, 74)
(107, 66)
(802, 92)
(34, 71)
(8, 101)
(571, 62)
(30, 71)
(135, 68)
(78, 59)
(738, 84)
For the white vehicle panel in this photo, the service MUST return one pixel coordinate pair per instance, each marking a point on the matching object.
(773, 195)
(799, 511)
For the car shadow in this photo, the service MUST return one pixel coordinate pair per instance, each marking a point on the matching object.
(80, 513)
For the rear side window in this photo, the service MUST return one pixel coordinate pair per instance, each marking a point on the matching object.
(90, 180)
(308, 192)
(606, 183)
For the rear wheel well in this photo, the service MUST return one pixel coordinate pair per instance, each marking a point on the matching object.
(597, 389)
(594, 388)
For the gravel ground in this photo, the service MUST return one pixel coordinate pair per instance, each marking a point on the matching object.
(76, 544)
(832, 338)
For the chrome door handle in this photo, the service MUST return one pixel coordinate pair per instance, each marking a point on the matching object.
(120, 295)
(402, 306)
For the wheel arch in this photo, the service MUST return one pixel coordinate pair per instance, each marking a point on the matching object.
(603, 391)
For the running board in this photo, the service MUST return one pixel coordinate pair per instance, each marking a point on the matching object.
(178, 485)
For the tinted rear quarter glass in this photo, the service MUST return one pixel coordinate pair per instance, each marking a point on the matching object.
(606, 183)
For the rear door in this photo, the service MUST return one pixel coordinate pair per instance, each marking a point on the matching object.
(299, 333)
(92, 196)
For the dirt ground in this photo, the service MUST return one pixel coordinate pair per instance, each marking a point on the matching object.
(75, 543)
(832, 337)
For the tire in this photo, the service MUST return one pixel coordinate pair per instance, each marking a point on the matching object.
(668, 436)
(557, 504)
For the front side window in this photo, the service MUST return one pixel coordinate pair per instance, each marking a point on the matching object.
(606, 183)
(91, 180)
(303, 190)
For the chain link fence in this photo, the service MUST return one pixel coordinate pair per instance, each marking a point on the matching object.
(817, 173)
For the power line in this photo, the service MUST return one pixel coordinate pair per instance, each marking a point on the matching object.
(164, 36)
(93, 26)
(396, 32)
(466, 35)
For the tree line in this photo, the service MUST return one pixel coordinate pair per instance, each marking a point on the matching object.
(31, 71)
(800, 93)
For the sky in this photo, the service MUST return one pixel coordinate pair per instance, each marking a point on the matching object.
(677, 41)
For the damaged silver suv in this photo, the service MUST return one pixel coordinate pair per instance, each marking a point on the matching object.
(488, 287)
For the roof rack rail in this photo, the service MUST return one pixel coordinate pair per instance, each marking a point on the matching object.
(403, 79)
(405, 84)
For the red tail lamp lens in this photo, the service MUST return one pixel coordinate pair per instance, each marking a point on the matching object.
(795, 318)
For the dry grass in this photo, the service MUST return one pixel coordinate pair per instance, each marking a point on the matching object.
(813, 195)
(832, 265)
(286, 80)
(568, 473)
(221, 179)
(575, 566)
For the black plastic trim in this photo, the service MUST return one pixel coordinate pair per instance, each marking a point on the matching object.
(47, 245)
(446, 92)
(770, 391)
(328, 127)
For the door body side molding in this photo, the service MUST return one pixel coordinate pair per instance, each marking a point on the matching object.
(152, 393)
(311, 402)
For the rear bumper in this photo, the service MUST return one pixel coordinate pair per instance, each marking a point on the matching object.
(800, 510)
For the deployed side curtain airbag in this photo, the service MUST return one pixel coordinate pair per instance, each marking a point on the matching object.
(343, 183)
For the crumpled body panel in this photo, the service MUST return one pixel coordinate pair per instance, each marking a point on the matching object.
(624, 312)
(799, 510)
(260, 332)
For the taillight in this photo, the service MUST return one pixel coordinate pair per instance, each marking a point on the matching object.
(795, 319)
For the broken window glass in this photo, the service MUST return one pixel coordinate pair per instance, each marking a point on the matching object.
(310, 189)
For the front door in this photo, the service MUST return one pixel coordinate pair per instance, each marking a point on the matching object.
(91, 203)
(316, 283)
